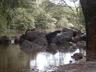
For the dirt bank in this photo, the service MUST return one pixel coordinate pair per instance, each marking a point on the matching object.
(82, 67)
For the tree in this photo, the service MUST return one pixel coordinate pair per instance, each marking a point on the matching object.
(24, 14)
(89, 10)
(7, 8)
(75, 14)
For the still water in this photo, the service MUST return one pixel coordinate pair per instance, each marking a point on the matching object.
(13, 59)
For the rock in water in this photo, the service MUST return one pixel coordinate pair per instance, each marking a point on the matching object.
(31, 47)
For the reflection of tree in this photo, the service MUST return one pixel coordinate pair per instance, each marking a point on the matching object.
(12, 58)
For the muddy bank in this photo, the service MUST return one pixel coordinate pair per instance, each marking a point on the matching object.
(82, 67)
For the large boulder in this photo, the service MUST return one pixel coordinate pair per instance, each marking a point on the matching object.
(65, 36)
(32, 36)
(50, 36)
(80, 37)
(72, 30)
(33, 40)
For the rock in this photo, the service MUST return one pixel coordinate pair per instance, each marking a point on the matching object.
(4, 40)
(67, 35)
(41, 41)
(50, 36)
(62, 38)
(81, 44)
(31, 36)
(31, 47)
(83, 36)
(77, 56)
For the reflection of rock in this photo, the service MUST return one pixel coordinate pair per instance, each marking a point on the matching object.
(31, 47)
(40, 41)
(64, 49)
(52, 48)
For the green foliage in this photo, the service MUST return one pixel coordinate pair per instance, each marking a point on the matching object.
(44, 21)
(24, 14)
(22, 20)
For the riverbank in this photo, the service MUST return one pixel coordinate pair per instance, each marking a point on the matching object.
(82, 67)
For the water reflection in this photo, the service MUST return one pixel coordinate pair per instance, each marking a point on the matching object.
(44, 60)
(14, 59)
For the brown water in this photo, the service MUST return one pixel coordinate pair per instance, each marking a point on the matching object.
(13, 59)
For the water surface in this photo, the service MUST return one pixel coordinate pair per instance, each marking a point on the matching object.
(14, 59)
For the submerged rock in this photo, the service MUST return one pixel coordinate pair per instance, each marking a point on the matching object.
(77, 56)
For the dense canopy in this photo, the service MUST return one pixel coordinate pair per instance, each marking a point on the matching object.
(19, 15)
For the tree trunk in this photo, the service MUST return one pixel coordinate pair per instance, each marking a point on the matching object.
(89, 10)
